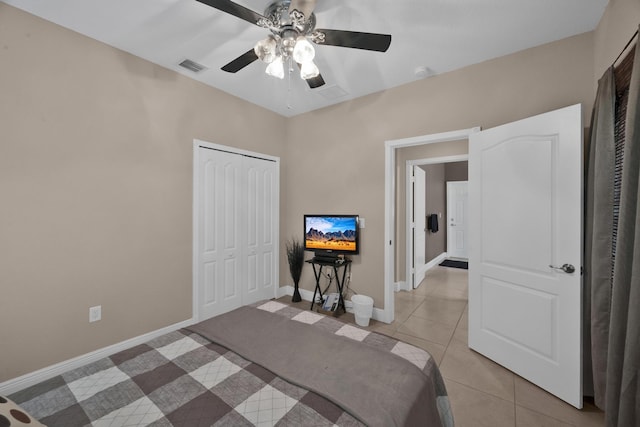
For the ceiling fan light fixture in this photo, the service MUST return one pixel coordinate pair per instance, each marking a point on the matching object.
(276, 68)
(292, 24)
(303, 51)
(289, 39)
(266, 49)
(309, 70)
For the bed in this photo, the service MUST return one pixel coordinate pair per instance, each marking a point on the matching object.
(263, 364)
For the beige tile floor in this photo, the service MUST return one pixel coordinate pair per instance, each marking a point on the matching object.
(482, 393)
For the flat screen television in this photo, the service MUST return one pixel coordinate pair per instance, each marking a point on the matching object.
(332, 234)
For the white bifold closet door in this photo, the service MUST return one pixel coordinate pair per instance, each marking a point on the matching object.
(237, 202)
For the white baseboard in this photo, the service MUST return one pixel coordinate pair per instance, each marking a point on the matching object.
(284, 290)
(399, 286)
(288, 290)
(378, 313)
(436, 261)
(32, 378)
(406, 286)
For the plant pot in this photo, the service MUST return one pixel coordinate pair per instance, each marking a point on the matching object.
(296, 294)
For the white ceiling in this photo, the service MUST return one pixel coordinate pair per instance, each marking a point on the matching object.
(442, 35)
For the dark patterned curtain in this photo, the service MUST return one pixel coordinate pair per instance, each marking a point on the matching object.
(612, 246)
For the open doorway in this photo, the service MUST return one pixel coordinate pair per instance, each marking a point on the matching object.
(395, 228)
(435, 211)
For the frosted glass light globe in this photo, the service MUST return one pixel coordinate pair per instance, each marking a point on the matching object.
(309, 70)
(303, 51)
(276, 68)
(266, 49)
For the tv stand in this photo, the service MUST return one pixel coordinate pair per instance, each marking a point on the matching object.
(336, 263)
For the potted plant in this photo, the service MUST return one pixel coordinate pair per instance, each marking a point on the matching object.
(295, 256)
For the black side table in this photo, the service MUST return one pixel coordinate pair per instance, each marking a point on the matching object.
(318, 265)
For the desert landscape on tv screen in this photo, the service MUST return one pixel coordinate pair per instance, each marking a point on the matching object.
(337, 234)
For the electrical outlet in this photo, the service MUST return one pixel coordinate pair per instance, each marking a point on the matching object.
(95, 313)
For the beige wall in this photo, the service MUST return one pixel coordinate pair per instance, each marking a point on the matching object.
(96, 189)
(621, 19)
(95, 170)
(456, 171)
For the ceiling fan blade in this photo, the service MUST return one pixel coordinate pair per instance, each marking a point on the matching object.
(304, 6)
(356, 40)
(240, 62)
(234, 9)
(315, 82)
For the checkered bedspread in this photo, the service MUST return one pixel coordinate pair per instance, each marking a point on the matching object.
(182, 379)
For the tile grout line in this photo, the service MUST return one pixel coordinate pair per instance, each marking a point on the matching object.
(515, 405)
(466, 307)
(483, 392)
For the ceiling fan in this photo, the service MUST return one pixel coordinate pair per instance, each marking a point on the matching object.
(292, 24)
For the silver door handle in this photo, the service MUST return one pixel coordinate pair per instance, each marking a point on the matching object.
(567, 268)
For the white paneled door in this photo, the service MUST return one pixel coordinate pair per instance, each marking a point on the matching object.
(261, 236)
(457, 205)
(525, 205)
(235, 233)
(419, 225)
(219, 238)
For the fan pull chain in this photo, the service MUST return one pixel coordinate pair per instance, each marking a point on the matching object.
(290, 69)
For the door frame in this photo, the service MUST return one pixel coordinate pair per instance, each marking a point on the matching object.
(408, 283)
(195, 209)
(390, 205)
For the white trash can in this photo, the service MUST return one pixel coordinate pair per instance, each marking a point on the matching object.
(362, 308)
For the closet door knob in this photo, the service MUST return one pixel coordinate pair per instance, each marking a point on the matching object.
(567, 268)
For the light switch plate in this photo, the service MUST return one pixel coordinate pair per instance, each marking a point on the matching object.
(95, 313)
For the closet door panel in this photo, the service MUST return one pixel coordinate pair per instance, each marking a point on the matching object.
(261, 176)
(219, 242)
(230, 231)
(209, 280)
(252, 229)
(208, 241)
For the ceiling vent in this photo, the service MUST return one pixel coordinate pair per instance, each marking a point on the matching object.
(192, 66)
(332, 92)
